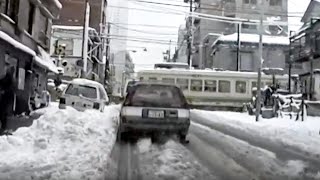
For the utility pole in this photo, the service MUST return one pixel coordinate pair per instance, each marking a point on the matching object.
(258, 103)
(238, 48)
(107, 64)
(169, 52)
(190, 36)
(85, 38)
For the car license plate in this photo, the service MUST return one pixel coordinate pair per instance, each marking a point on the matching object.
(155, 114)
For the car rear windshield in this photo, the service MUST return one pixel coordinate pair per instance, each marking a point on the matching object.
(83, 90)
(156, 96)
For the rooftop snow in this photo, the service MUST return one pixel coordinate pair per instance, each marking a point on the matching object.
(43, 61)
(254, 38)
(70, 27)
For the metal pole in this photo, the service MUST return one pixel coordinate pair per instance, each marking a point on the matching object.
(169, 52)
(238, 48)
(85, 37)
(258, 104)
(189, 37)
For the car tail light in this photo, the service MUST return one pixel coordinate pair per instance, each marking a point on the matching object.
(96, 105)
(62, 100)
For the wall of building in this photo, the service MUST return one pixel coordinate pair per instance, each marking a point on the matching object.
(238, 9)
(226, 58)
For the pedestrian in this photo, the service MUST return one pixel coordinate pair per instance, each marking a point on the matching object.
(7, 85)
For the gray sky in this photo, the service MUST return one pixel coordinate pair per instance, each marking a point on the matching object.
(154, 51)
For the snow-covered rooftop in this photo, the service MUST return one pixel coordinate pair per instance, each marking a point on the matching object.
(254, 38)
(70, 27)
(43, 60)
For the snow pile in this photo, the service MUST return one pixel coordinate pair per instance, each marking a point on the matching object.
(61, 144)
(170, 161)
(278, 133)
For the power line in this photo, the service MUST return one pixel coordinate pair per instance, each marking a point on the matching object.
(146, 10)
(217, 9)
(147, 25)
(141, 31)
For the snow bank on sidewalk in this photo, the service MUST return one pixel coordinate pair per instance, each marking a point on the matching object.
(61, 144)
(279, 133)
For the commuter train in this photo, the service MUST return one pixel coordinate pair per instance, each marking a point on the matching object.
(210, 89)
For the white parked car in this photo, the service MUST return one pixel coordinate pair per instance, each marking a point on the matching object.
(83, 94)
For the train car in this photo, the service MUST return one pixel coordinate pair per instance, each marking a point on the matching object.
(214, 90)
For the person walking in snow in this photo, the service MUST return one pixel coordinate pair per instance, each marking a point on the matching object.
(7, 97)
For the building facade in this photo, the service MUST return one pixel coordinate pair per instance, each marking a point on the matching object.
(207, 31)
(305, 51)
(118, 20)
(25, 30)
(71, 61)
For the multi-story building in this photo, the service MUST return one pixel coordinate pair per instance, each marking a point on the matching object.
(25, 30)
(181, 52)
(208, 31)
(71, 61)
(305, 51)
(69, 29)
(118, 20)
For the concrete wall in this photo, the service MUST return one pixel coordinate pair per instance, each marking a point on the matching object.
(237, 9)
(226, 58)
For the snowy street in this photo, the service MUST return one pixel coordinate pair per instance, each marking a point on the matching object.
(67, 144)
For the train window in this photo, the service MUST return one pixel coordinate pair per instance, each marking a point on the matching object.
(183, 84)
(254, 84)
(152, 79)
(224, 86)
(241, 87)
(168, 80)
(196, 85)
(210, 86)
(141, 78)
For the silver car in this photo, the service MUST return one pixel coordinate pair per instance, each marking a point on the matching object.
(83, 94)
(153, 109)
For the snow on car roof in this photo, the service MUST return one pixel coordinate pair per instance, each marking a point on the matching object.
(86, 82)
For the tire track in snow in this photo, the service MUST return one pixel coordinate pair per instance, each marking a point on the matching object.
(282, 151)
(224, 166)
(256, 160)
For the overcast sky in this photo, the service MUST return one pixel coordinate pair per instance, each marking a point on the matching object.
(166, 18)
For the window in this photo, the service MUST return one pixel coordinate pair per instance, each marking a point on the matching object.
(156, 96)
(152, 79)
(3, 4)
(85, 91)
(196, 85)
(168, 80)
(275, 2)
(249, 26)
(183, 84)
(11, 8)
(224, 86)
(246, 1)
(31, 18)
(241, 87)
(102, 94)
(210, 86)
(254, 84)
(68, 44)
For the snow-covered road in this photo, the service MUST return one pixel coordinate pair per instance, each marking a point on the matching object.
(67, 144)
(216, 153)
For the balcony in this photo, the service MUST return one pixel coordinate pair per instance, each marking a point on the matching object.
(305, 44)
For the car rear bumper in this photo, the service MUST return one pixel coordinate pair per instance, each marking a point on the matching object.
(151, 127)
